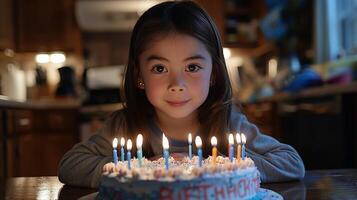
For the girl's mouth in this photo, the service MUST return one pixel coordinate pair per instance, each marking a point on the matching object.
(177, 103)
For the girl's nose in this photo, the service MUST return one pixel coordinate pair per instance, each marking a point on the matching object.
(176, 89)
(177, 84)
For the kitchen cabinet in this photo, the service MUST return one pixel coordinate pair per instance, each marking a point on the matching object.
(320, 123)
(46, 26)
(2, 149)
(264, 116)
(36, 139)
(6, 26)
(237, 22)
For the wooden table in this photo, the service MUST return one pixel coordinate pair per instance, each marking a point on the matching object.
(317, 184)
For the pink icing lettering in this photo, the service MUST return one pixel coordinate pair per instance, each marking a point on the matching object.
(219, 192)
(241, 190)
(232, 190)
(205, 190)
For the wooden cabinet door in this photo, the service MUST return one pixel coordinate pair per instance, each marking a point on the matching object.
(215, 10)
(46, 26)
(2, 149)
(6, 25)
(40, 153)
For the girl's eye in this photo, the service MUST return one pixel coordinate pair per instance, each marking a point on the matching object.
(159, 69)
(193, 68)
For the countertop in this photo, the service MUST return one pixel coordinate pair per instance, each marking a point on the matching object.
(40, 104)
(318, 91)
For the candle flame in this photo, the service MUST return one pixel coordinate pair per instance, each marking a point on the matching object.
(129, 145)
(190, 138)
(198, 142)
(238, 139)
(231, 139)
(122, 141)
(244, 139)
(165, 142)
(115, 143)
(214, 141)
(139, 141)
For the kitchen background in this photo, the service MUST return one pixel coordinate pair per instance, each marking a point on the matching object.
(292, 64)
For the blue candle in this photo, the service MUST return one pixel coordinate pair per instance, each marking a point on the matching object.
(128, 154)
(122, 143)
(165, 145)
(166, 156)
(231, 147)
(243, 146)
(198, 142)
(190, 146)
(139, 152)
(115, 153)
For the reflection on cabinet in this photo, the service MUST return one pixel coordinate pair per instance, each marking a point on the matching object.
(46, 26)
(37, 139)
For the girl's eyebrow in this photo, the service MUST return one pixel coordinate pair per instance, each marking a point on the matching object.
(156, 57)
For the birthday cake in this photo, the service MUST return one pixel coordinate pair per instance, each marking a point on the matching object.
(185, 180)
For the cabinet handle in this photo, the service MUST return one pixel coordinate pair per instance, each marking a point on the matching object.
(24, 122)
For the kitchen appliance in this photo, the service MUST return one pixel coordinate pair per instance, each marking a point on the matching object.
(102, 84)
(110, 15)
(66, 85)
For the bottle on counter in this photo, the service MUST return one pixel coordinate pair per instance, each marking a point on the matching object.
(13, 80)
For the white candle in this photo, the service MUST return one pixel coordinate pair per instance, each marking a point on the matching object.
(122, 143)
(214, 149)
(165, 146)
(128, 154)
(190, 146)
(198, 142)
(115, 153)
(139, 152)
(231, 147)
(244, 140)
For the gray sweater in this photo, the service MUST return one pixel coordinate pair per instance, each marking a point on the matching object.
(82, 165)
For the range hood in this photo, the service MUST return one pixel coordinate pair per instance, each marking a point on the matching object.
(110, 15)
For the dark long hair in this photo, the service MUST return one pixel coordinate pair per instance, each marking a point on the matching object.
(183, 17)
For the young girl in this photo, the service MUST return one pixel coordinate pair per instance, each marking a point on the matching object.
(176, 82)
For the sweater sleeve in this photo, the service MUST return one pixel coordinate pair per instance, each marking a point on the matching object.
(82, 165)
(275, 161)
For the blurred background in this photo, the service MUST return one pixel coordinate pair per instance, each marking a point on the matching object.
(292, 64)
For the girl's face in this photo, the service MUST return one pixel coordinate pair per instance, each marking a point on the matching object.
(176, 71)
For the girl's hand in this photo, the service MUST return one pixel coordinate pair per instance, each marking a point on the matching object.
(108, 168)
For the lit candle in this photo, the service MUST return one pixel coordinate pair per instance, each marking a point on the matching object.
(139, 152)
(122, 143)
(198, 142)
(165, 146)
(190, 146)
(128, 153)
(214, 149)
(231, 147)
(244, 140)
(239, 148)
(115, 153)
